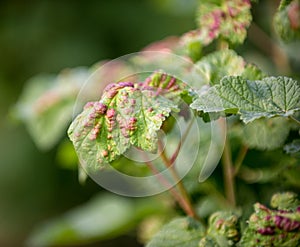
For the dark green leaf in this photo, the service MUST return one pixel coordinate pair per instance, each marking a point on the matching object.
(104, 217)
(269, 97)
(181, 232)
(293, 147)
(266, 134)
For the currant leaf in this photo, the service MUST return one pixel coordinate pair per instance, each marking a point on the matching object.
(125, 116)
(269, 97)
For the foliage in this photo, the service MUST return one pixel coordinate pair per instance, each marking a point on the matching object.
(261, 148)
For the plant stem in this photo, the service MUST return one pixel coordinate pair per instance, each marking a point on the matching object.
(294, 119)
(262, 40)
(239, 160)
(187, 205)
(167, 184)
(223, 45)
(228, 174)
(182, 140)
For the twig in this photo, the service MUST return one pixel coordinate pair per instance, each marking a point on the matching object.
(182, 140)
(187, 207)
(240, 158)
(294, 119)
(228, 174)
(262, 40)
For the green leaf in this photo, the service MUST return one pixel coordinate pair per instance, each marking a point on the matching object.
(211, 68)
(223, 230)
(125, 116)
(181, 232)
(266, 134)
(104, 217)
(269, 97)
(293, 147)
(287, 20)
(46, 105)
(223, 19)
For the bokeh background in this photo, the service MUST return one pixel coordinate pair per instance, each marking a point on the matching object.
(47, 36)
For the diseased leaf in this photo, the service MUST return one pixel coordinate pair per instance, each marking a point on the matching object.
(223, 230)
(266, 134)
(104, 217)
(166, 85)
(125, 115)
(46, 105)
(183, 232)
(287, 20)
(278, 228)
(269, 97)
(211, 68)
(223, 19)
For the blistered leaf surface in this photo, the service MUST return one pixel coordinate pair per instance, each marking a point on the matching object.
(126, 115)
(223, 19)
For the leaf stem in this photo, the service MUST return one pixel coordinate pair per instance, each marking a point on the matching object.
(240, 158)
(228, 174)
(262, 40)
(182, 140)
(186, 203)
(294, 119)
(166, 183)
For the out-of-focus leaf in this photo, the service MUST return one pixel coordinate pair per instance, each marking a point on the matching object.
(104, 217)
(287, 20)
(266, 134)
(211, 68)
(46, 105)
(222, 19)
(183, 232)
(293, 147)
(269, 97)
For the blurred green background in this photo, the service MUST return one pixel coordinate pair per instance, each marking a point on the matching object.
(45, 37)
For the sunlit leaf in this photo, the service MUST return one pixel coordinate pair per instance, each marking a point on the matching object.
(126, 115)
(269, 97)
